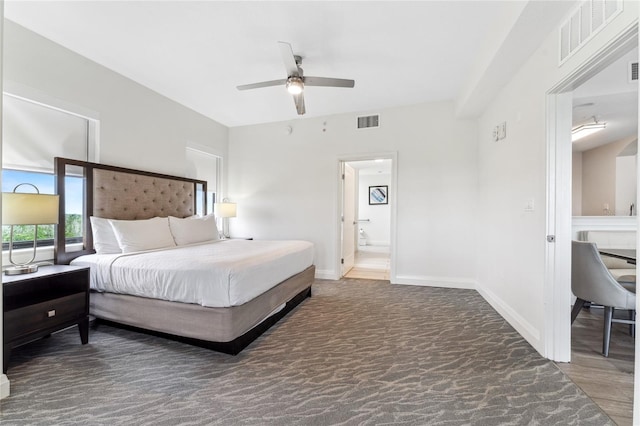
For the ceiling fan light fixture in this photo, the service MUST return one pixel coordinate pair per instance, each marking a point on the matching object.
(585, 130)
(295, 85)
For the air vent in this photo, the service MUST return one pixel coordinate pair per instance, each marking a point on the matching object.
(585, 21)
(368, 121)
(633, 72)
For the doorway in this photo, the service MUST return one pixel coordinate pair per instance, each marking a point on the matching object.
(567, 105)
(366, 218)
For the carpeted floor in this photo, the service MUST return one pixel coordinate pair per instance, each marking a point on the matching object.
(356, 353)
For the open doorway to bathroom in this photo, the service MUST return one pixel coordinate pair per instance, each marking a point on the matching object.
(366, 246)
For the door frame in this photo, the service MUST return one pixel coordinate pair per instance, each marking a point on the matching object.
(557, 285)
(393, 203)
(348, 260)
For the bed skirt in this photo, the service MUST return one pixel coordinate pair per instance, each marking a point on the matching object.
(228, 330)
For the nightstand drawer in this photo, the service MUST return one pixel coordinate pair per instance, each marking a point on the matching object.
(38, 304)
(41, 316)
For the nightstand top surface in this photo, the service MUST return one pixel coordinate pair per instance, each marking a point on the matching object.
(43, 271)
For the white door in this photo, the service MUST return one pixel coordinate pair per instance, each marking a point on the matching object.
(348, 218)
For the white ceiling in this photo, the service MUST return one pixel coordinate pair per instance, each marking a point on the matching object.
(399, 53)
(611, 98)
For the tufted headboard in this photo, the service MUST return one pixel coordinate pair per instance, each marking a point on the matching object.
(119, 193)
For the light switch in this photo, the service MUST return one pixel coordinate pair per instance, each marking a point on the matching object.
(529, 205)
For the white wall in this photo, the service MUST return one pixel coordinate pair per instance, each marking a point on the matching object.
(576, 183)
(377, 230)
(626, 185)
(286, 186)
(511, 241)
(138, 127)
(599, 178)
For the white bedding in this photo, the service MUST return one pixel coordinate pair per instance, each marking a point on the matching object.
(215, 274)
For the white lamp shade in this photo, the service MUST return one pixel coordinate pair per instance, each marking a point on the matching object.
(224, 209)
(29, 209)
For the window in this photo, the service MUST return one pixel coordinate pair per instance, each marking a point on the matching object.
(33, 135)
(205, 166)
(23, 234)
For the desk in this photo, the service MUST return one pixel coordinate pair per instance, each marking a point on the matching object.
(625, 254)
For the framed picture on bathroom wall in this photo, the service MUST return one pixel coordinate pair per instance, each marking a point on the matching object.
(378, 195)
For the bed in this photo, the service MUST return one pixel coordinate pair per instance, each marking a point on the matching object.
(219, 294)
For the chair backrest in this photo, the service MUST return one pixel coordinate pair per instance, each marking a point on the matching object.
(592, 281)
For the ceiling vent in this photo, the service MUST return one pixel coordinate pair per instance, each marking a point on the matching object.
(368, 121)
(633, 72)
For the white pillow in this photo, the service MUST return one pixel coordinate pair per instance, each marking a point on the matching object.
(139, 235)
(193, 229)
(104, 240)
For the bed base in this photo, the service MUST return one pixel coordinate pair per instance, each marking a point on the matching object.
(233, 347)
(227, 330)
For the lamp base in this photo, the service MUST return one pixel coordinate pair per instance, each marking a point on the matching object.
(21, 269)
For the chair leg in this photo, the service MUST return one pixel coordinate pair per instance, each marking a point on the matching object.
(608, 316)
(577, 307)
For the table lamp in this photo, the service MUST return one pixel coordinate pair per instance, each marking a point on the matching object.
(225, 210)
(19, 208)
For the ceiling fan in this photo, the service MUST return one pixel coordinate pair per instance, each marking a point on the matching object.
(296, 80)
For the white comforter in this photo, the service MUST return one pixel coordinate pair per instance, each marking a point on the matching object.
(215, 274)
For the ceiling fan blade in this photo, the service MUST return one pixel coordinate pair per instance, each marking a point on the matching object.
(262, 84)
(299, 101)
(289, 60)
(330, 82)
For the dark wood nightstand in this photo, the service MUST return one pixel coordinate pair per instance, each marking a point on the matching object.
(35, 305)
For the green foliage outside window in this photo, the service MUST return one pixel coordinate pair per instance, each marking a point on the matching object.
(73, 229)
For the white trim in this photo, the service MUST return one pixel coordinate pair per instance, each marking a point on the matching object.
(557, 324)
(20, 91)
(444, 282)
(557, 294)
(522, 326)
(578, 10)
(26, 94)
(518, 322)
(326, 274)
(621, 223)
(557, 285)
(5, 386)
(393, 191)
(218, 156)
(204, 148)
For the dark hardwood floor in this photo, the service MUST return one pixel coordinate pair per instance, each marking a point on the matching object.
(607, 381)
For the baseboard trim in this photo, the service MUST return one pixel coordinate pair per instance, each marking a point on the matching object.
(5, 387)
(325, 274)
(530, 333)
(445, 282)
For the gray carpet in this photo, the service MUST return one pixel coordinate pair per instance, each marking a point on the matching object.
(357, 353)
